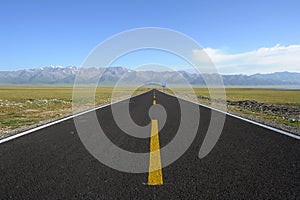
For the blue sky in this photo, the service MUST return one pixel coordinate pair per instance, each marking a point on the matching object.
(240, 36)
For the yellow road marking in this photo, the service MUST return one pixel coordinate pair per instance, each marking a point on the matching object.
(155, 171)
(154, 102)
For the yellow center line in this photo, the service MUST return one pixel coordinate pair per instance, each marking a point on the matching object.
(154, 102)
(155, 170)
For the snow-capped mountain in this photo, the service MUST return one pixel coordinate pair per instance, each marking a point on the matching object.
(66, 75)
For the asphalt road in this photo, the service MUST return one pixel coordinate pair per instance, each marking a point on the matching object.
(248, 161)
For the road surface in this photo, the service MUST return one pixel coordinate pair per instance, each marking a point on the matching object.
(248, 161)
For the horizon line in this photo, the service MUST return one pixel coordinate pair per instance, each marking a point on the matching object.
(68, 66)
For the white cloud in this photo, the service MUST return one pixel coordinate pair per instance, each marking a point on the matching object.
(262, 60)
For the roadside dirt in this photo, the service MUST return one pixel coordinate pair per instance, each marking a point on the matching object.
(285, 113)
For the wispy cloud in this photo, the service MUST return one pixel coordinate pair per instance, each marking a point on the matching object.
(262, 60)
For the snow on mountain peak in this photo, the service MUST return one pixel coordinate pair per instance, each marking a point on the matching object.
(55, 67)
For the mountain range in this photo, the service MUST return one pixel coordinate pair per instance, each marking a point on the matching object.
(54, 75)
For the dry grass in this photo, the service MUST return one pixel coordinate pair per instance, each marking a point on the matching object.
(291, 97)
(271, 96)
(22, 106)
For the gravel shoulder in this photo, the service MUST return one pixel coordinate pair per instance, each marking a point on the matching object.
(283, 117)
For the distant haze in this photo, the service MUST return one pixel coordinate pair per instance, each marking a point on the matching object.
(66, 75)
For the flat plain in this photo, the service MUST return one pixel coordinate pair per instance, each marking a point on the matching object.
(23, 107)
(279, 108)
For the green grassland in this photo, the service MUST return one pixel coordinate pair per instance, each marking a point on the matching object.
(290, 97)
(271, 96)
(22, 106)
(25, 106)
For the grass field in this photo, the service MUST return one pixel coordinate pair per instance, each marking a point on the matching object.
(271, 96)
(23, 106)
(290, 97)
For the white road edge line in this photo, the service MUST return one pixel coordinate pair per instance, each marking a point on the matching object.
(93, 109)
(63, 119)
(241, 118)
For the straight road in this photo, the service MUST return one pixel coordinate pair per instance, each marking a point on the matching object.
(248, 161)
